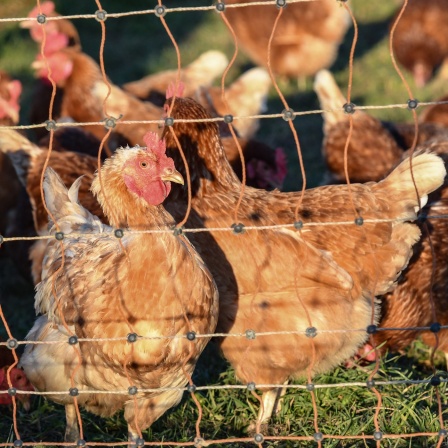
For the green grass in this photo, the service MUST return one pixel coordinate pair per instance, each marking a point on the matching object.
(137, 45)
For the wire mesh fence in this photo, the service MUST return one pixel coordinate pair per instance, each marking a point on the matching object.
(298, 226)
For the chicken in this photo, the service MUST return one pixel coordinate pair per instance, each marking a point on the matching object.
(28, 160)
(282, 279)
(409, 304)
(84, 92)
(16, 377)
(437, 113)
(152, 285)
(199, 73)
(370, 140)
(18, 381)
(306, 39)
(59, 34)
(420, 41)
(246, 96)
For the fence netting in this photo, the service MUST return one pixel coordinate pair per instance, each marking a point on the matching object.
(375, 379)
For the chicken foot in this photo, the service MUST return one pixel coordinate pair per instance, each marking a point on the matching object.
(71, 428)
(271, 404)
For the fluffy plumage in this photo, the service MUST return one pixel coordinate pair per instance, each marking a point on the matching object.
(150, 284)
(269, 280)
(307, 37)
(375, 147)
(420, 41)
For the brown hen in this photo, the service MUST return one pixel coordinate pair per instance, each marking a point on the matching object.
(374, 148)
(84, 92)
(290, 280)
(420, 41)
(152, 284)
(306, 40)
(373, 153)
(59, 34)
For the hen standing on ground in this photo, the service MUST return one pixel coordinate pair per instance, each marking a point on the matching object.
(307, 37)
(286, 280)
(420, 41)
(153, 285)
(372, 154)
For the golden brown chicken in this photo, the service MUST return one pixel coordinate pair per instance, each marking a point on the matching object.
(59, 34)
(14, 376)
(306, 40)
(373, 153)
(374, 148)
(199, 73)
(84, 92)
(420, 40)
(437, 113)
(151, 285)
(286, 279)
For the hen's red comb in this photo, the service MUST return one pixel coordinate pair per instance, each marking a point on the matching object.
(154, 143)
(175, 90)
(46, 7)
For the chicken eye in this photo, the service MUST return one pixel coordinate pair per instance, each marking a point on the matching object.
(144, 164)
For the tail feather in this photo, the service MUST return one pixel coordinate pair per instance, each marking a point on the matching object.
(20, 150)
(330, 98)
(64, 206)
(425, 169)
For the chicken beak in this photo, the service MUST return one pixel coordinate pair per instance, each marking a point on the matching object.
(172, 176)
(38, 65)
(27, 24)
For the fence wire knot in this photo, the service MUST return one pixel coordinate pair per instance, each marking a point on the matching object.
(12, 343)
(220, 7)
(160, 11)
(237, 228)
(12, 391)
(258, 438)
(101, 15)
(318, 436)
(18, 443)
(80, 442)
(50, 125)
(198, 442)
(349, 108)
(72, 340)
(412, 104)
(288, 114)
(41, 19)
(377, 435)
(250, 334)
(280, 3)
